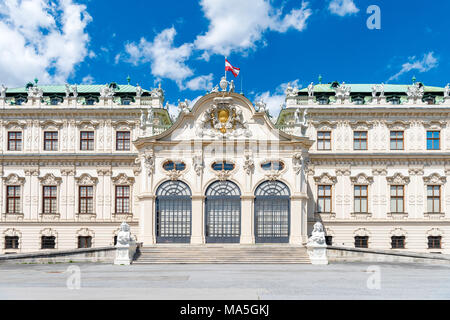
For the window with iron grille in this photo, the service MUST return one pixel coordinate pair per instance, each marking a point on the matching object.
(115, 240)
(329, 240)
(13, 199)
(397, 199)
(398, 242)
(360, 140)
(15, 141)
(122, 199)
(84, 242)
(49, 199)
(324, 140)
(324, 198)
(51, 141)
(48, 242)
(361, 242)
(434, 242)
(434, 199)
(433, 140)
(86, 200)
(397, 140)
(122, 140)
(11, 242)
(360, 199)
(86, 140)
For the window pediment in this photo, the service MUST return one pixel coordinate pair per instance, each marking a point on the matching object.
(50, 180)
(13, 179)
(398, 179)
(11, 232)
(435, 178)
(362, 179)
(325, 178)
(434, 232)
(51, 125)
(123, 125)
(48, 232)
(85, 232)
(15, 125)
(87, 124)
(324, 125)
(398, 125)
(361, 125)
(435, 125)
(122, 179)
(361, 232)
(398, 232)
(86, 180)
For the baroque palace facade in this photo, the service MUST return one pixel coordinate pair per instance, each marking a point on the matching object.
(368, 161)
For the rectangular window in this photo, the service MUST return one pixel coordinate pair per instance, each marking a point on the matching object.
(360, 140)
(360, 198)
(434, 242)
(86, 200)
(48, 242)
(86, 140)
(122, 199)
(398, 242)
(433, 140)
(329, 240)
(49, 199)
(123, 141)
(397, 199)
(51, 141)
(434, 199)
(15, 141)
(84, 242)
(397, 140)
(361, 242)
(12, 242)
(324, 199)
(13, 199)
(324, 140)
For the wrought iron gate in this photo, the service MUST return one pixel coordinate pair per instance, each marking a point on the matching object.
(272, 212)
(223, 212)
(173, 212)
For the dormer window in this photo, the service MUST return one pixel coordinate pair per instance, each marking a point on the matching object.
(222, 166)
(126, 101)
(90, 101)
(358, 100)
(429, 99)
(20, 100)
(55, 100)
(395, 100)
(273, 165)
(173, 165)
(322, 100)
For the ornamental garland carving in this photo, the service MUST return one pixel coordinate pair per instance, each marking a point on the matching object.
(398, 179)
(50, 179)
(13, 179)
(222, 119)
(197, 161)
(435, 178)
(249, 164)
(86, 180)
(398, 232)
(122, 179)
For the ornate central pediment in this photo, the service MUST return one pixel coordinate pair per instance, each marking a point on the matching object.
(222, 119)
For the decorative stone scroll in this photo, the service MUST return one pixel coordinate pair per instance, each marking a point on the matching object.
(325, 179)
(435, 178)
(398, 179)
(362, 179)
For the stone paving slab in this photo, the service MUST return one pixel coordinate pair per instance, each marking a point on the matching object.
(225, 282)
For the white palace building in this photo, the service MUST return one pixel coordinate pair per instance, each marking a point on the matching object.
(371, 162)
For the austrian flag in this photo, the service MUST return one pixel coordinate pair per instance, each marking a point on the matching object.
(229, 67)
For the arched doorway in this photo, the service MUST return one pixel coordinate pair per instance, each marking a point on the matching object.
(272, 212)
(223, 212)
(173, 212)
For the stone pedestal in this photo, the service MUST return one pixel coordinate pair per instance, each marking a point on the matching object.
(317, 253)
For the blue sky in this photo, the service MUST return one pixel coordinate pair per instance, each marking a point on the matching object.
(182, 43)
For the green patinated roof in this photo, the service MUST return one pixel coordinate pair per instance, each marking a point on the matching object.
(367, 88)
(82, 88)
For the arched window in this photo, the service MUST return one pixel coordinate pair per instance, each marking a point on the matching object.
(272, 212)
(173, 212)
(223, 212)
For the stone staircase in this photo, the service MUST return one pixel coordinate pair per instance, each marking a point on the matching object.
(223, 254)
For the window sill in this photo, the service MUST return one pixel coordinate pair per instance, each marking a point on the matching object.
(325, 215)
(361, 215)
(86, 216)
(12, 216)
(434, 215)
(397, 215)
(49, 216)
(122, 216)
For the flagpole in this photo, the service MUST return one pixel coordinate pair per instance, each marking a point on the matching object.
(225, 68)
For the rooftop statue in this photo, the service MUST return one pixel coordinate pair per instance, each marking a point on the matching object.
(415, 91)
(67, 90)
(35, 92)
(290, 91)
(3, 91)
(343, 91)
(215, 89)
(75, 90)
(311, 90)
(107, 92)
(231, 86)
(261, 105)
(183, 106)
(138, 91)
(447, 90)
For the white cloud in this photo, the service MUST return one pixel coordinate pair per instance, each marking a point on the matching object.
(88, 80)
(204, 82)
(41, 38)
(237, 25)
(343, 7)
(276, 99)
(166, 60)
(428, 62)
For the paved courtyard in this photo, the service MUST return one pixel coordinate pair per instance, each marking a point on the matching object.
(335, 281)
